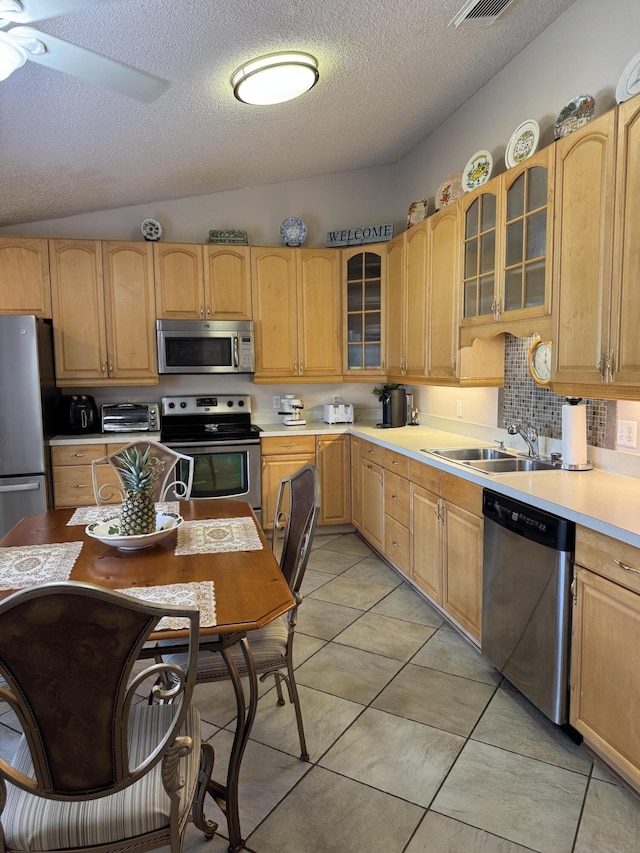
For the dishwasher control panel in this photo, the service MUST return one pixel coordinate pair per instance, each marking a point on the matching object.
(537, 525)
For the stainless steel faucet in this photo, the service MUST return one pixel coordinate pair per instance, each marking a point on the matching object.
(529, 433)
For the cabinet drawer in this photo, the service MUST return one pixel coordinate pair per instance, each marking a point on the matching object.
(73, 485)
(78, 454)
(372, 453)
(396, 462)
(396, 497)
(597, 552)
(462, 493)
(425, 476)
(278, 445)
(396, 543)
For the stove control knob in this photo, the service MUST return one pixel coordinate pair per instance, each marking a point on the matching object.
(241, 403)
(230, 403)
(172, 405)
(183, 405)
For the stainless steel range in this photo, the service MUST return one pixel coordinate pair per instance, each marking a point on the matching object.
(216, 430)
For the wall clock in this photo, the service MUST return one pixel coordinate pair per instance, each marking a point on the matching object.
(540, 361)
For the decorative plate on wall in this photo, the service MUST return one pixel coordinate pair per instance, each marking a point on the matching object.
(450, 190)
(293, 231)
(477, 171)
(523, 143)
(629, 82)
(574, 115)
(417, 212)
(151, 229)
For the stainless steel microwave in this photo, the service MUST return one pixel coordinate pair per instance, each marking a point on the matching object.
(205, 346)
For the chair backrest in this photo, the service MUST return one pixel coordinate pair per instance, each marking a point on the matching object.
(297, 511)
(67, 651)
(174, 473)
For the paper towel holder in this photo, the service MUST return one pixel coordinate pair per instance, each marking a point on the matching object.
(586, 466)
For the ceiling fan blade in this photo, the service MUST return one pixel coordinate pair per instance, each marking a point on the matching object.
(38, 10)
(73, 59)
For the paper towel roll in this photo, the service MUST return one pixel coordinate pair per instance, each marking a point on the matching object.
(574, 435)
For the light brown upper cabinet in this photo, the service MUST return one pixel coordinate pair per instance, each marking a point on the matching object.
(297, 313)
(364, 274)
(195, 282)
(507, 252)
(407, 305)
(584, 225)
(597, 309)
(24, 276)
(103, 311)
(447, 362)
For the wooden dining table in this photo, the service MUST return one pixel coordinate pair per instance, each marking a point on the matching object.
(250, 592)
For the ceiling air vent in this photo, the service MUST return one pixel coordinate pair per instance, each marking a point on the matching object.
(479, 13)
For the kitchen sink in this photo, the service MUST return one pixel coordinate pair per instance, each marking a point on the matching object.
(490, 460)
(507, 466)
(470, 454)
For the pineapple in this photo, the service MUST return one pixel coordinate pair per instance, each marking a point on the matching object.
(138, 514)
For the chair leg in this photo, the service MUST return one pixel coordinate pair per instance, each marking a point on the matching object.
(209, 827)
(293, 694)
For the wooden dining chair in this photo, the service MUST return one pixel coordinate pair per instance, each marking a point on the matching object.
(174, 473)
(297, 511)
(96, 769)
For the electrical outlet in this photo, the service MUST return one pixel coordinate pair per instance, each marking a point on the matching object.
(626, 436)
(458, 408)
(276, 402)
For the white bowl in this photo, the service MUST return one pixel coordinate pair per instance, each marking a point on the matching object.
(108, 532)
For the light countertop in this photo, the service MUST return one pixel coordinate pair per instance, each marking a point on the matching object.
(609, 503)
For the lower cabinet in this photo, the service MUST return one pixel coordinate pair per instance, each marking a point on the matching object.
(372, 493)
(283, 455)
(356, 483)
(72, 473)
(605, 676)
(396, 509)
(446, 543)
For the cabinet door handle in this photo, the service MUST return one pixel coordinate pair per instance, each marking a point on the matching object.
(626, 567)
(104, 366)
(611, 366)
(394, 461)
(202, 310)
(394, 543)
(601, 369)
(395, 498)
(110, 369)
(78, 455)
(208, 311)
(80, 486)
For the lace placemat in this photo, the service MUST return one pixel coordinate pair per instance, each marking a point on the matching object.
(217, 535)
(201, 595)
(28, 565)
(91, 514)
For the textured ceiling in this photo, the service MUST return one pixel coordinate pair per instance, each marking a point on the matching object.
(390, 73)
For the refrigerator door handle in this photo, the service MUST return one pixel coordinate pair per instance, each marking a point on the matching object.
(23, 487)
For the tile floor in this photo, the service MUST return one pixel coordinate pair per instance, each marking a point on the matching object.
(416, 743)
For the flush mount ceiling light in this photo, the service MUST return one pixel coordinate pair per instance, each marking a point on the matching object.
(275, 78)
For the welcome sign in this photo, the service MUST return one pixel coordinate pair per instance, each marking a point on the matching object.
(357, 236)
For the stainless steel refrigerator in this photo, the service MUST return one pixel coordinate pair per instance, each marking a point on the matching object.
(28, 413)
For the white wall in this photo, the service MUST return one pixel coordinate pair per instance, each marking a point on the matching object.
(583, 52)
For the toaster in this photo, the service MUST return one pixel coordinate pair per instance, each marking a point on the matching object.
(130, 417)
(338, 413)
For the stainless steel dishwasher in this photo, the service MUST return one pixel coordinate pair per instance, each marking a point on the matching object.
(526, 613)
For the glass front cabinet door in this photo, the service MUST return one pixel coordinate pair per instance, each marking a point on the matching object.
(365, 277)
(506, 249)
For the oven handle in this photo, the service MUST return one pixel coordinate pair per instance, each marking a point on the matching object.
(207, 447)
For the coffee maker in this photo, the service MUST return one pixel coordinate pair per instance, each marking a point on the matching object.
(394, 408)
(290, 408)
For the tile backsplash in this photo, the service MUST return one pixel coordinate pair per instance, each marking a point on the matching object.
(522, 398)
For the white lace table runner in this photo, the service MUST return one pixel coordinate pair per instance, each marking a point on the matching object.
(201, 595)
(90, 514)
(28, 565)
(218, 535)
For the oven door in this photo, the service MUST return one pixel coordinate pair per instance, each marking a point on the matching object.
(225, 470)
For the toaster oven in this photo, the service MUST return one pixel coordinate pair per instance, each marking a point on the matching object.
(130, 417)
